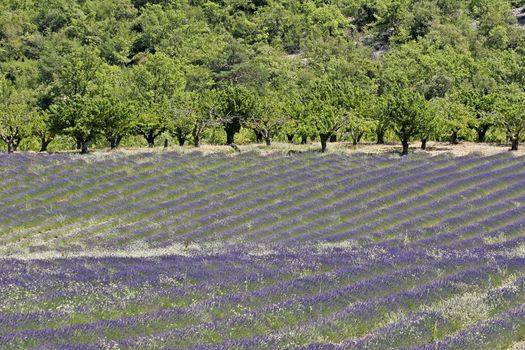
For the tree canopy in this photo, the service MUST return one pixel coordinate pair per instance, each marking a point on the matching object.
(96, 71)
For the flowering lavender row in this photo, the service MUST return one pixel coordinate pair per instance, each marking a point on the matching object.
(337, 294)
(165, 250)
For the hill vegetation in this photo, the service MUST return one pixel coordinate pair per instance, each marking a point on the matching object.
(103, 73)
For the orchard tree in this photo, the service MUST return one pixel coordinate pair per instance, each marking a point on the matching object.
(451, 116)
(407, 110)
(182, 113)
(115, 118)
(116, 111)
(40, 128)
(153, 83)
(327, 119)
(76, 117)
(478, 91)
(357, 126)
(238, 105)
(427, 128)
(206, 113)
(294, 108)
(382, 125)
(483, 105)
(268, 116)
(325, 111)
(16, 113)
(74, 90)
(151, 123)
(511, 113)
(360, 103)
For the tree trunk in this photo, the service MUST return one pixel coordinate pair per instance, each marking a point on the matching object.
(181, 139)
(196, 140)
(454, 137)
(290, 137)
(424, 143)
(230, 137)
(79, 145)
(304, 140)
(166, 143)
(515, 142)
(232, 127)
(10, 146)
(380, 133)
(16, 143)
(258, 136)
(360, 136)
(268, 141)
(44, 143)
(482, 132)
(333, 138)
(324, 139)
(151, 140)
(114, 142)
(404, 142)
(354, 141)
(83, 147)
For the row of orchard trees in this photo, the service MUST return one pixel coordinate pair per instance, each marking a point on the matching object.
(414, 92)
(90, 98)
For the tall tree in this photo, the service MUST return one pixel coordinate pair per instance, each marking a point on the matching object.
(238, 105)
(78, 82)
(116, 118)
(407, 110)
(16, 114)
(41, 128)
(207, 113)
(452, 117)
(511, 109)
(268, 116)
(76, 117)
(153, 84)
(483, 105)
(325, 109)
(182, 114)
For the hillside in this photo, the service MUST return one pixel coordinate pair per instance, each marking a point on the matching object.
(98, 74)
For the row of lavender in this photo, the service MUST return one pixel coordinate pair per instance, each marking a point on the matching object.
(318, 252)
(161, 199)
(316, 296)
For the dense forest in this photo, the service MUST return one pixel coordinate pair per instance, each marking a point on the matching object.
(97, 73)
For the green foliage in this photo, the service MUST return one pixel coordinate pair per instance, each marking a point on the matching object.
(451, 117)
(41, 129)
(511, 111)
(116, 119)
(282, 68)
(153, 85)
(81, 74)
(362, 108)
(408, 113)
(237, 105)
(15, 114)
(75, 117)
(325, 108)
(268, 116)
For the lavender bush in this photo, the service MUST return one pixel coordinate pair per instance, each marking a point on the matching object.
(157, 251)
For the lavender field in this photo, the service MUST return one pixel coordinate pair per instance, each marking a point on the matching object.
(166, 250)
